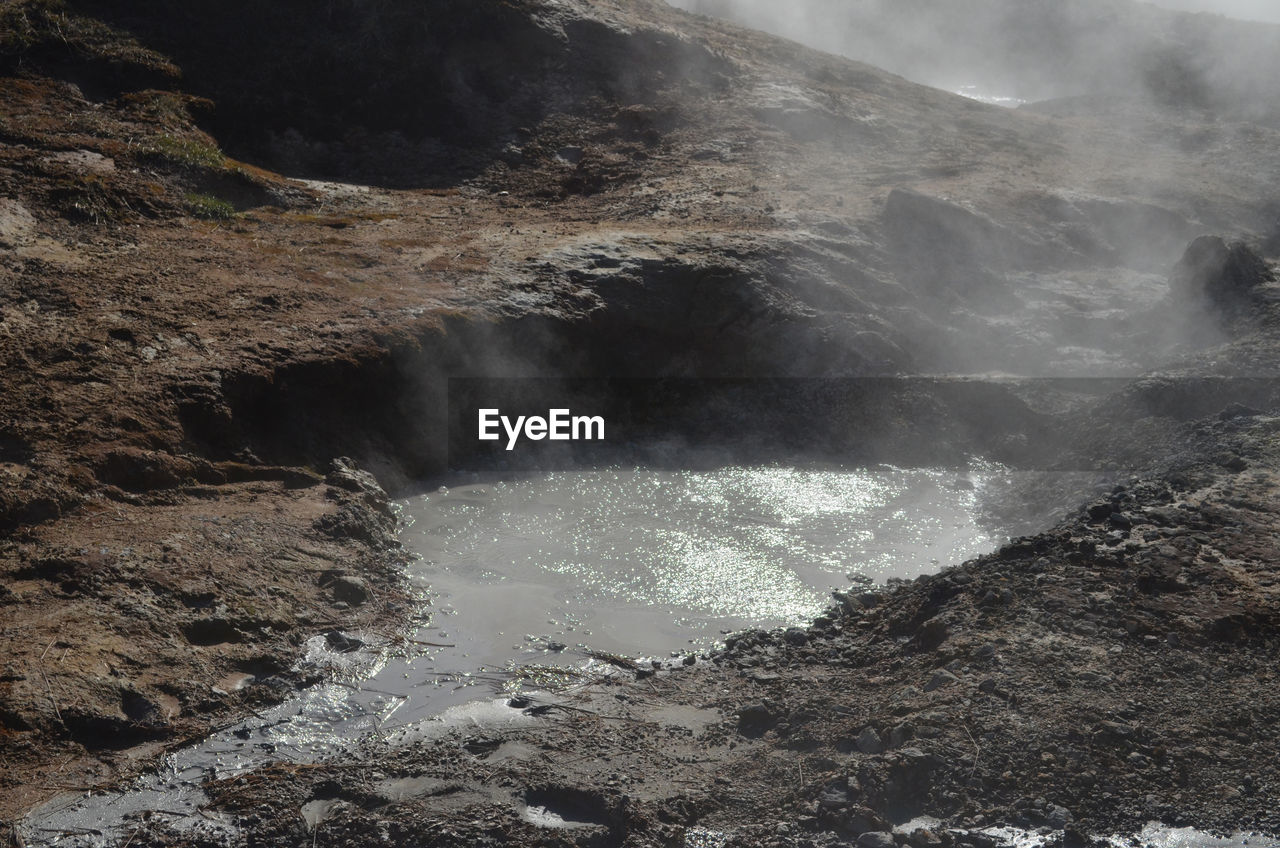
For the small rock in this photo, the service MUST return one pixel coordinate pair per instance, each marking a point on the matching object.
(1116, 729)
(795, 636)
(923, 838)
(1100, 511)
(859, 820)
(876, 839)
(341, 642)
(345, 474)
(755, 719)
(833, 798)
(870, 599)
(1073, 838)
(915, 758)
(352, 590)
(941, 678)
(1057, 817)
(899, 735)
(869, 741)
(931, 634)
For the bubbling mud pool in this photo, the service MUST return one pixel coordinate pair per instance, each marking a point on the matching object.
(527, 577)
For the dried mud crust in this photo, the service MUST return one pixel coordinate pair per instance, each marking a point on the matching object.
(1114, 670)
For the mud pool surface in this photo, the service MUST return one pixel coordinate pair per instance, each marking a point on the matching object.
(649, 562)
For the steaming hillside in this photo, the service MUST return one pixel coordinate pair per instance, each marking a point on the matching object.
(246, 246)
(1042, 50)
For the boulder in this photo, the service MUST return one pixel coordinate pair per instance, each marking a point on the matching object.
(1219, 274)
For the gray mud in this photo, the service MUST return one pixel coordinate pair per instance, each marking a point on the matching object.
(637, 561)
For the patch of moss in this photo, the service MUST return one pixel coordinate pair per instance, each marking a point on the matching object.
(209, 208)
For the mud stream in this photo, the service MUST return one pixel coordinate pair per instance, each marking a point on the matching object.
(526, 579)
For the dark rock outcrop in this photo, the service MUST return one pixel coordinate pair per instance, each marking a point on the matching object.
(1219, 274)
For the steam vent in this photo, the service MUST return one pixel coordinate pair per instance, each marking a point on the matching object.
(715, 424)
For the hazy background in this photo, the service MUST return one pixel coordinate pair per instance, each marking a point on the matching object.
(1256, 10)
(1035, 50)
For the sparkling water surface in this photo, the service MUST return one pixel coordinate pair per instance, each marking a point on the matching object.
(732, 547)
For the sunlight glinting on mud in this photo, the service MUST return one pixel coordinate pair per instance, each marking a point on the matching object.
(762, 544)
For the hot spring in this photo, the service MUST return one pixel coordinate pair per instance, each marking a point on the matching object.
(524, 577)
(658, 562)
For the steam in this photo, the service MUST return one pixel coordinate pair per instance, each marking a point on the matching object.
(1247, 10)
(1030, 50)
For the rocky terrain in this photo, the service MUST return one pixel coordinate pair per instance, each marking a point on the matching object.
(213, 369)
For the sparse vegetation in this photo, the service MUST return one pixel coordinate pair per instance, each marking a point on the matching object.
(188, 151)
(209, 208)
(32, 30)
(169, 109)
(89, 198)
